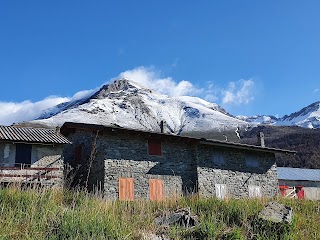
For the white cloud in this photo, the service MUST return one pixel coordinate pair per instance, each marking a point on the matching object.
(240, 92)
(150, 78)
(237, 93)
(316, 90)
(82, 94)
(14, 112)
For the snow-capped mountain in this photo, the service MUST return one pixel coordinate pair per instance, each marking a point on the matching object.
(259, 119)
(130, 105)
(308, 117)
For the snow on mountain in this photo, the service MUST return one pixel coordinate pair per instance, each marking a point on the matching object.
(259, 119)
(130, 105)
(308, 117)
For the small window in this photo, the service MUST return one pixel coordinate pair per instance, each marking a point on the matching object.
(126, 189)
(154, 147)
(221, 191)
(23, 155)
(78, 154)
(254, 191)
(156, 189)
(251, 161)
(218, 159)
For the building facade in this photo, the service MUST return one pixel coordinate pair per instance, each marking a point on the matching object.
(31, 155)
(129, 164)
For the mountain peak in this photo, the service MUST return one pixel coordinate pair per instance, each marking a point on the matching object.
(303, 112)
(123, 84)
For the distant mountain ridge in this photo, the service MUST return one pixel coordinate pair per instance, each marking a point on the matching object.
(307, 117)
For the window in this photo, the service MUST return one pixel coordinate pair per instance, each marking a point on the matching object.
(154, 147)
(254, 191)
(221, 191)
(78, 154)
(126, 189)
(218, 159)
(251, 161)
(23, 154)
(156, 189)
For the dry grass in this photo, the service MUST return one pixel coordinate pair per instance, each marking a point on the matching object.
(58, 214)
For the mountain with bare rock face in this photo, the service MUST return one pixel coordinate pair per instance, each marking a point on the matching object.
(130, 105)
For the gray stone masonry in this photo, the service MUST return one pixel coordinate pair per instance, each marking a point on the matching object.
(119, 155)
(183, 167)
(237, 169)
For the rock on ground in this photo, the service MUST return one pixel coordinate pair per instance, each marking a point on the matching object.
(277, 213)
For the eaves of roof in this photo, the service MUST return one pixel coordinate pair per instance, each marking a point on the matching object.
(69, 127)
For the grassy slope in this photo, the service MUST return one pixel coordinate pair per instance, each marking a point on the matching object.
(54, 214)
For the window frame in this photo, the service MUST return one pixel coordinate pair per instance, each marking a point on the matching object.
(23, 152)
(155, 147)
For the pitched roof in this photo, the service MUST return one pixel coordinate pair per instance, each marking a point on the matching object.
(34, 135)
(68, 126)
(302, 174)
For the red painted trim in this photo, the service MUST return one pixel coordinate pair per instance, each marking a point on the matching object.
(30, 168)
(28, 175)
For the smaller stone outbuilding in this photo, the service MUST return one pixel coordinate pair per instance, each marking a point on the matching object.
(302, 182)
(129, 164)
(31, 155)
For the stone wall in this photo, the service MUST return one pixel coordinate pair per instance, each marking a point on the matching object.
(129, 158)
(7, 154)
(120, 155)
(183, 167)
(238, 170)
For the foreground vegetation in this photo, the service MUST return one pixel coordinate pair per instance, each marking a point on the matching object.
(58, 214)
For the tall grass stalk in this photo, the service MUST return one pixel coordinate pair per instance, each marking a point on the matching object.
(35, 213)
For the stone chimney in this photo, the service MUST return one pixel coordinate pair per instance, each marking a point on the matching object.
(261, 139)
(163, 126)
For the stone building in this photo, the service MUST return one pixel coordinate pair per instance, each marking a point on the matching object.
(31, 155)
(128, 164)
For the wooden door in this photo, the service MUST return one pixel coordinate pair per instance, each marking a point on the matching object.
(156, 189)
(126, 189)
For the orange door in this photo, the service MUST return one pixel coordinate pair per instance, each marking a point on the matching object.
(156, 189)
(126, 189)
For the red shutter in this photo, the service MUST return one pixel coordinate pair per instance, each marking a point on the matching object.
(78, 154)
(156, 189)
(154, 147)
(126, 189)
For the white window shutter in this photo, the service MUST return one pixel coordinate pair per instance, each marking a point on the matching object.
(221, 191)
(254, 191)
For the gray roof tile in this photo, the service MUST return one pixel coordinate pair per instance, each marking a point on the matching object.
(28, 134)
(302, 174)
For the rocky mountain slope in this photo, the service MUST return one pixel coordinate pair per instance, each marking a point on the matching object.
(308, 117)
(130, 105)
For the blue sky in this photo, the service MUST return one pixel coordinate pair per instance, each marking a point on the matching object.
(251, 57)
